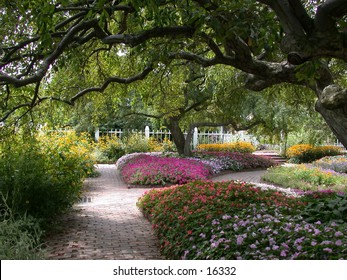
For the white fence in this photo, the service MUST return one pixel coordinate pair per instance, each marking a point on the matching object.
(209, 137)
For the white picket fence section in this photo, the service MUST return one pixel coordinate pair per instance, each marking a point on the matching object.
(199, 137)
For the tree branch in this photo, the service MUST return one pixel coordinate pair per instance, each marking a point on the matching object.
(110, 80)
(41, 72)
(286, 15)
(327, 13)
(157, 32)
(229, 122)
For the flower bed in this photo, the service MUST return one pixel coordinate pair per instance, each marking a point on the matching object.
(229, 220)
(155, 170)
(304, 153)
(159, 169)
(306, 178)
(335, 163)
(242, 147)
(234, 161)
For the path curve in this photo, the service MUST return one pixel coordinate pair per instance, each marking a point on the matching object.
(108, 225)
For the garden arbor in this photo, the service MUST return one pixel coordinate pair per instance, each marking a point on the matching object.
(272, 41)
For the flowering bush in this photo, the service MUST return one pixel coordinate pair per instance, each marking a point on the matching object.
(108, 149)
(43, 175)
(242, 147)
(234, 160)
(306, 178)
(335, 163)
(307, 153)
(155, 170)
(230, 220)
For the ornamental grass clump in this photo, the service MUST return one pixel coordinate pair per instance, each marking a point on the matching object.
(155, 170)
(235, 220)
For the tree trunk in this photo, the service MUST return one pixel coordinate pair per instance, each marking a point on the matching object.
(187, 145)
(177, 134)
(336, 120)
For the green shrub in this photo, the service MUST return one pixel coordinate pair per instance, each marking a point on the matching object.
(328, 208)
(108, 149)
(42, 176)
(136, 143)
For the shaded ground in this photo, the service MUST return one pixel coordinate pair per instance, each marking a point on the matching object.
(108, 225)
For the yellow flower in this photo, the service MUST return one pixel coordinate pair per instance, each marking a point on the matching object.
(243, 147)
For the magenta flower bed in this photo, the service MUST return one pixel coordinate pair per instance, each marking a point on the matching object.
(154, 170)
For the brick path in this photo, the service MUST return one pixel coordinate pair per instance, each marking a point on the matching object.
(108, 225)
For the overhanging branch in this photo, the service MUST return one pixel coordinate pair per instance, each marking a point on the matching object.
(110, 80)
(157, 32)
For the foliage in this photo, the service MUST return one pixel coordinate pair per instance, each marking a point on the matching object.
(305, 178)
(328, 208)
(154, 170)
(335, 163)
(307, 153)
(110, 149)
(42, 175)
(230, 220)
(20, 237)
(241, 147)
(45, 43)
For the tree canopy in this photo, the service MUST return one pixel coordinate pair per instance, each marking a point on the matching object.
(271, 41)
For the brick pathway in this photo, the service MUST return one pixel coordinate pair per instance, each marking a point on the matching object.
(108, 225)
